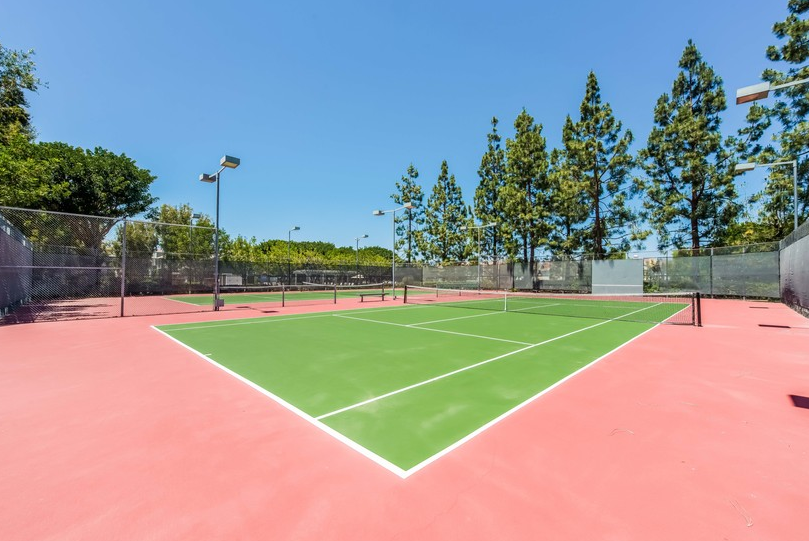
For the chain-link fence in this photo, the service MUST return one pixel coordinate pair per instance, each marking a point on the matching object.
(57, 265)
(65, 266)
(750, 271)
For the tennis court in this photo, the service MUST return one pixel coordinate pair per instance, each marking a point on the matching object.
(405, 385)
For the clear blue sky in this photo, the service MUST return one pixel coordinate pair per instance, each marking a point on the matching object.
(326, 103)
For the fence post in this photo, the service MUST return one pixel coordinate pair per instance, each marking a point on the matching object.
(123, 269)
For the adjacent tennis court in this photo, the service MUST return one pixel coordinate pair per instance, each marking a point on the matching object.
(404, 385)
(316, 293)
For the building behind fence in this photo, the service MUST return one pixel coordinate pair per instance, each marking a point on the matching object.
(64, 266)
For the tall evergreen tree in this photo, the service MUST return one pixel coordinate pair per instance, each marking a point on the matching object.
(594, 173)
(526, 195)
(689, 192)
(569, 203)
(488, 204)
(444, 240)
(790, 111)
(410, 222)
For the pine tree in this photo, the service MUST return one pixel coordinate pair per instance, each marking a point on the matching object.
(569, 203)
(488, 204)
(689, 194)
(410, 222)
(790, 111)
(444, 240)
(592, 173)
(526, 194)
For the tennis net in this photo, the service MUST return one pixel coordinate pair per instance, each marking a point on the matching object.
(670, 308)
(299, 294)
(347, 290)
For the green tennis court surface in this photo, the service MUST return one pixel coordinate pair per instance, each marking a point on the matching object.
(405, 384)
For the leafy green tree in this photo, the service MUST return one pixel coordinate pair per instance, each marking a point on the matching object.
(17, 75)
(25, 175)
(181, 238)
(526, 195)
(410, 221)
(488, 194)
(689, 196)
(594, 173)
(58, 177)
(446, 214)
(142, 240)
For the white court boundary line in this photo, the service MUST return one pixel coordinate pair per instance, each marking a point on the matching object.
(300, 413)
(393, 468)
(168, 298)
(415, 326)
(450, 448)
(459, 370)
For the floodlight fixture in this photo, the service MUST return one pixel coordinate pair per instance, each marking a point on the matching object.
(752, 93)
(744, 167)
(762, 90)
(229, 161)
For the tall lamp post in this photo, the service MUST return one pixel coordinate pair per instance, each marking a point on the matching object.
(358, 254)
(192, 273)
(194, 216)
(744, 167)
(407, 205)
(289, 253)
(232, 163)
(478, 227)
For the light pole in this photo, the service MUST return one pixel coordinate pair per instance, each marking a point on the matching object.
(192, 266)
(478, 227)
(762, 90)
(358, 254)
(407, 205)
(232, 163)
(194, 216)
(744, 167)
(289, 253)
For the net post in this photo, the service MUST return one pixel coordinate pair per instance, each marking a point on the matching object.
(335, 293)
(123, 269)
(405, 293)
(698, 309)
(283, 296)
